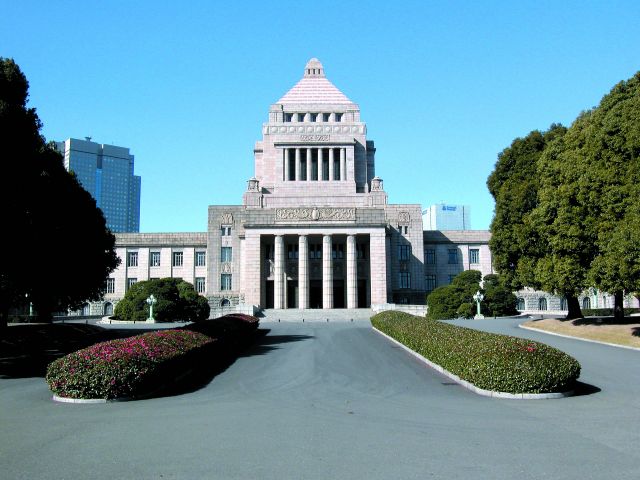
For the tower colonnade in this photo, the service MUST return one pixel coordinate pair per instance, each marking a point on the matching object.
(314, 164)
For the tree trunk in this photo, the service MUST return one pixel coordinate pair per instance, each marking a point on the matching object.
(573, 305)
(618, 307)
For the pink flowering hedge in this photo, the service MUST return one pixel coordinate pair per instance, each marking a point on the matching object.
(489, 361)
(125, 367)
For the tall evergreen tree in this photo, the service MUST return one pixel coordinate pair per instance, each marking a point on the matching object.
(57, 249)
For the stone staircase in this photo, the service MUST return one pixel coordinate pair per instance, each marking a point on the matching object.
(315, 315)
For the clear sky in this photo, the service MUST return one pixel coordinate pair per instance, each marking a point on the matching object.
(444, 86)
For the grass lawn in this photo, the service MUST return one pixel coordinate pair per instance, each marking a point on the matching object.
(593, 328)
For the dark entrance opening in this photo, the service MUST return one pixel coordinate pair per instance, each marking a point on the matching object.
(269, 294)
(315, 294)
(292, 294)
(338, 294)
(362, 294)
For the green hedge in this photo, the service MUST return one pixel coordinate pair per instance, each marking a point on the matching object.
(606, 312)
(126, 367)
(489, 361)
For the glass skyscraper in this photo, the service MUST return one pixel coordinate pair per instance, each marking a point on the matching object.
(106, 172)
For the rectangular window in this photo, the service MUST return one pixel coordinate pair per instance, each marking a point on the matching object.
(301, 117)
(313, 117)
(225, 281)
(110, 285)
(338, 117)
(131, 282)
(288, 117)
(132, 259)
(337, 251)
(200, 285)
(315, 251)
(201, 259)
(453, 255)
(404, 252)
(405, 280)
(155, 259)
(225, 254)
(326, 117)
(474, 255)
(292, 252)
(430, 257)
(225, 231)
(430, 282)
(177, 259)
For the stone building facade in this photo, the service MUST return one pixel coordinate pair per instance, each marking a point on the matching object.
(314, 229)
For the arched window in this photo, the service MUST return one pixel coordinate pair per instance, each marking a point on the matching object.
(586, 302)
(563, 304)
(225, 302)
(108, 309)
(520, 305)
(542, 304)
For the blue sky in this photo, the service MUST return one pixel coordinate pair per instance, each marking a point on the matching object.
(443, 86)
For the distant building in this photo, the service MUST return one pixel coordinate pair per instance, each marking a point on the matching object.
(106, 172)
(447, 217)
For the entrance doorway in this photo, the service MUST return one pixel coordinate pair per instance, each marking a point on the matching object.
(338, 294)
(315, 294)
(269, 294)
(362, 294)
(292, 294)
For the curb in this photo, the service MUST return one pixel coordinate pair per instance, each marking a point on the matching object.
(578, 338)
(471, 386)
(57, 398)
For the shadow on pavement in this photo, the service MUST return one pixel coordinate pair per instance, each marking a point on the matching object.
(582, 389)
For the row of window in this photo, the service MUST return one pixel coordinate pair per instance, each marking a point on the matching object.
(452, 256)
(110, 284)
(177, 259)
(313, 117)
(315, 251)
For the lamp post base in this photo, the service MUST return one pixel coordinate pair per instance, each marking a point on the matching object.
(477, 317)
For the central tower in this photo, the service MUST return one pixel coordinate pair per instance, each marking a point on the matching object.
(314, 150)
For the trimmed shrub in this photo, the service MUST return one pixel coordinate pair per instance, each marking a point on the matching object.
(126, 367)
(445, 301)
(489, 361)
(176, 300)
(606, 312)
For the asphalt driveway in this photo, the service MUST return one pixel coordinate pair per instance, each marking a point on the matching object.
(334, 401)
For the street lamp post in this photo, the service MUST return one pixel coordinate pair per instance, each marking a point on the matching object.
(151, 301)
(478, 297)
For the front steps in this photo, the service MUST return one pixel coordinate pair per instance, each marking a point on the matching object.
(315, 315)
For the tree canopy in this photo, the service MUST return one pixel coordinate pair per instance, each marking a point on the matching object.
(58, 250)
(567, 203)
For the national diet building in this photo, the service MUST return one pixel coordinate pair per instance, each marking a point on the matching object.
(314, 229)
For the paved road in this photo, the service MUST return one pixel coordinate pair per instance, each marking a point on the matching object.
(333, 401)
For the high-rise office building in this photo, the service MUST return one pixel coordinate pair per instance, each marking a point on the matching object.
(443, 216)
(106, 172)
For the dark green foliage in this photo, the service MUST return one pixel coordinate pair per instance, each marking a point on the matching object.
(489, 361)
(125, 367)
(44, 204)
(176, 301)
(606, 312)
(498, 299)
(445, 301)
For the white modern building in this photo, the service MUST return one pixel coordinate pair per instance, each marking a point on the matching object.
(106, 172)
(443, 216)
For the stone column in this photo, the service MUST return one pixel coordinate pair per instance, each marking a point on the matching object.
(378, 267)
(286, 164)
(343, 164)
(298, 173)
(309, 157)
(303, 272)
(352, 277)
(278, 273)
(331, 164)
(327, 273)
(320, 158)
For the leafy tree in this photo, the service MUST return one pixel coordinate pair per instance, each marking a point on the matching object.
(499, 300)
(447, 301)
(176, 300)
(58, 251)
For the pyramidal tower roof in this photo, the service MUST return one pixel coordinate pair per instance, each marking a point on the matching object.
(314, 88)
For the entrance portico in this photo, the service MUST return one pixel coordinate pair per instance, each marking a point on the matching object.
(317, 268)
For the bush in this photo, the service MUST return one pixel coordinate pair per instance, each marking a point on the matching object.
(124, 367)
(445, 301)
(489, 361)
(606, 312)
(176, 300)
(498, 299)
